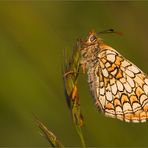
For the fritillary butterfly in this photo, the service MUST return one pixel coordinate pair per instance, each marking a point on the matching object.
(119, 87)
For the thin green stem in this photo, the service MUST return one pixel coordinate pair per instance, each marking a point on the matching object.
(80, 133)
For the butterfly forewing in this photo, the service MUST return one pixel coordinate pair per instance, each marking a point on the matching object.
(119, 87)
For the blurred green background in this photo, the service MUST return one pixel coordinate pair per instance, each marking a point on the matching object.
(33, 36)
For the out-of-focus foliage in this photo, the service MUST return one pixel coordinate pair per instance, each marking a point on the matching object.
(33, 35)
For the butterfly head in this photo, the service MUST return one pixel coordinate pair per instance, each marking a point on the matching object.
(92, 39)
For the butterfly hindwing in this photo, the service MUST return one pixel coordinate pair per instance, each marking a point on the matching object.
(123, 87)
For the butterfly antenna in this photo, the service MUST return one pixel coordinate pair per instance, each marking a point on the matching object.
(109, 31)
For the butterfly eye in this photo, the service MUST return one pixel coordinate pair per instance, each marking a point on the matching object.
(93, 38)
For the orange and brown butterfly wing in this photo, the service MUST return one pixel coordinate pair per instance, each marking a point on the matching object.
(120, 88)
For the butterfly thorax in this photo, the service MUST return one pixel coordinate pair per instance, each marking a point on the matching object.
(90, 50)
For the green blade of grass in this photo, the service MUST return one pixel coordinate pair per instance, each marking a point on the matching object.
(52, 139)
(71, 72)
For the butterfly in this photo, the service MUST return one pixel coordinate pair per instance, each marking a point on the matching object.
(119, 87)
